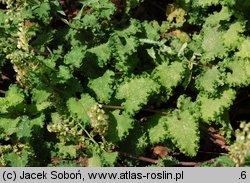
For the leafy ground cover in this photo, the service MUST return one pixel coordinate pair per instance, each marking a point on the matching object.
(124, 83)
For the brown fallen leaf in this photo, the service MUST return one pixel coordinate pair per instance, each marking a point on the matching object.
(83, 161)
(160, 151)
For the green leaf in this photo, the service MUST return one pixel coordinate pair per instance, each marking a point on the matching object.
(132, 29)
(15, 160)
(216, 17)
(13, 97)
(105, 8)
(183, 128)
(95, 161)
(136, 93)
(41, 98)
(119, 126)
(103, 91)
(64, 73)
(131, 4)
(122, 48)
(66, 151)
(75, 56)
(79, 109)
(43, 12)
(221, 161)
(124, 44)
(244, 49)
(185, 103)
(103, 54)
(212, 44)
(8, 127)
(2, 18)
(101, 8)
(25, 126)
(156, 130)
(90, 21)
(55, 5)
(167, 161)
(212, 108)
(169, 75)
(239, 72)
(110, 158)
(210, 80)
(136, 142)
(204, 3)
(232, 37)
(152, 30)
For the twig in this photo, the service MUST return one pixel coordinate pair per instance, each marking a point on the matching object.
(120, 107)
(3, 10)
(208, 152)
(199, 64)
(154, 161)
(155, 111)
(87, 133)
(157, 6)
(112, 107)
(38, 51)
(3, 77)
(139, 158)
(220, 141)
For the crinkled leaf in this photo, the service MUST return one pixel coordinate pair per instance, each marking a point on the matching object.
(204, 3)
(41, 98)
(79, 108)
(244, 49)
(119, 126)
(43, 12)
(156, 131)
(183, 128)
(124, 44)
(15, 160)
(64, 73)
(215, 18)
(152, 30)
(232, 37)
(95, 161)
(136, 93)
(169, 75)
(66, 151)
(109, 158)
(75, 56)
(209, 80)
(212, 44)
(239, 75)
(8, 127)
(13, 97)
(25, 126)
(102, 52)
(103, 86)
(122, 48)
(130, 4)
(136, 142)
(212, 108)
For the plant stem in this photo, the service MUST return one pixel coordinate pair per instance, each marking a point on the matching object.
(90, 137)
(154, 161)
(148, 110)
